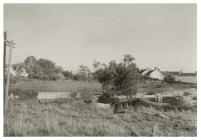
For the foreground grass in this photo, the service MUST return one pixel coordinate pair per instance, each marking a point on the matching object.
(75, 118)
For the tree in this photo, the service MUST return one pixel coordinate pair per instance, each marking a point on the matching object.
(37, 72)
(119, 78)
(42, 69)
(48, 69)
(96, 64)
(68, 74)
(29, 64)
(59, 69)
(128, 59)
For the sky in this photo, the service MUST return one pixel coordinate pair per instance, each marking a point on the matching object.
(157, 35)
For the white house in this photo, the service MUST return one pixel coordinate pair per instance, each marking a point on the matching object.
(16, 72)
(24, 73)
(12, 71)
(153, 73)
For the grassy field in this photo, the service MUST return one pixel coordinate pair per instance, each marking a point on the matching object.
(66, 85)
(189, 79)
(30, 117)
(158, 86)
(75, 118)
(69, 85)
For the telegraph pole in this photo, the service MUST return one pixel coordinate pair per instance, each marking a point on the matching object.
(4, 58)
(10, 44)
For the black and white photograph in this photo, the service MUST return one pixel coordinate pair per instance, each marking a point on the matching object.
(99, 70)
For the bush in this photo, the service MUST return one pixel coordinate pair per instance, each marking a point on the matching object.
(78, 77)
(23, 94)
(174, 101)
(159, 86)
(74, 94)
(194, 98)
(150, 93)
(169, 79)
(186, 94)
(86, 95)
(106, 98)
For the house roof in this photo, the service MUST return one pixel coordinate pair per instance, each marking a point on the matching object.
(148, 73)
(141, 71)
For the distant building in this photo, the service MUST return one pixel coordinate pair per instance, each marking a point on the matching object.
(178, 73)
(23, 73)
(17, 72)
(152, 73)
(13, 72)
(188, 74)
(171, 72)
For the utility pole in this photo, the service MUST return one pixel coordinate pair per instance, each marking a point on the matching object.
(4, 59)
(10, 44)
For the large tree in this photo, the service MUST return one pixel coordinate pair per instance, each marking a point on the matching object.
(40, 69)
(68, 74)
(29, 64)
(119, 78)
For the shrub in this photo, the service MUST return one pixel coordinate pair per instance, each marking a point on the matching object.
(23, 93)
(15, 79)
(159, 86)
(74, 94)
(194, 98)
(186, 94)
(150, 93)
(106, 98)
(86, 95)
(174, 101)
(169, 79)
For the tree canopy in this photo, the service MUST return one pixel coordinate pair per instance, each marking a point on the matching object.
(43, 69)
(119, 78)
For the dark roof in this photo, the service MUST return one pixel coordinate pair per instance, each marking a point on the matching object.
(141, 71)
(149, 72)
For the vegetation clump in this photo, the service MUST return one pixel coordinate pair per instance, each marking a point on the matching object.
(118, 78)
(169, 79)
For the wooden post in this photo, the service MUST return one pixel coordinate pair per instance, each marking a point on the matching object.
(10, 44)
(4, 63)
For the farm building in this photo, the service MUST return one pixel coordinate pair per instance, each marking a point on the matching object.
(152, 73)
(181, 76)
(171, 72)
(178, 73)
(13, 72)
(23, 73)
